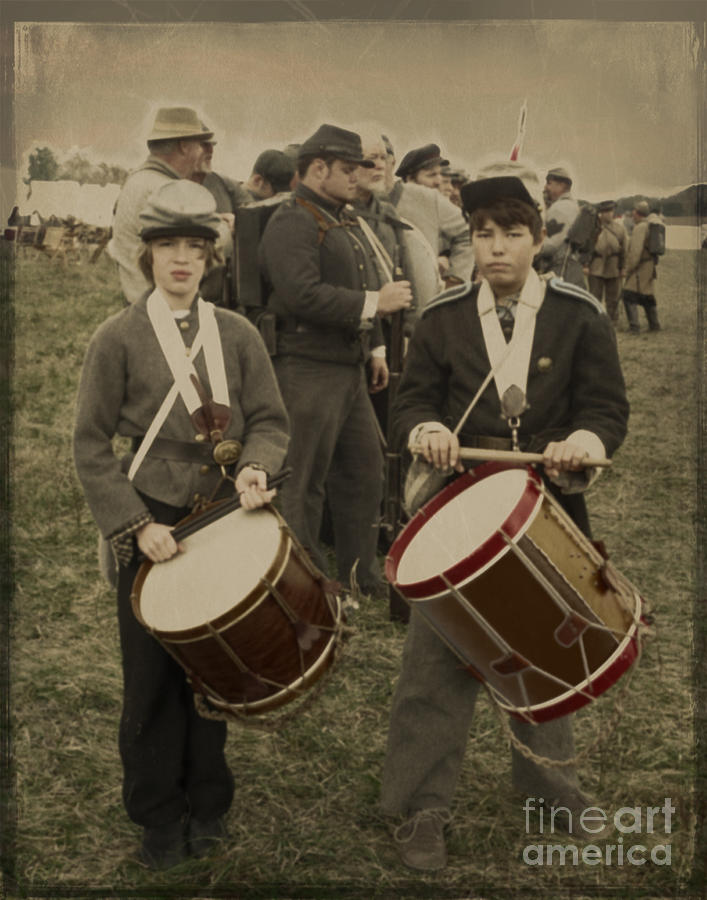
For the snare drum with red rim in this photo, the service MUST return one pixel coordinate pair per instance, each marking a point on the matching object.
(518, 593)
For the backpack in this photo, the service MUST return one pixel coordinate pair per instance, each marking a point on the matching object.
(584, 231)
(655, 242)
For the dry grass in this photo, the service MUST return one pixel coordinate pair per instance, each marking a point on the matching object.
(305, 820)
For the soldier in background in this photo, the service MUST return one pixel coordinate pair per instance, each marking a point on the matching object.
(389, 163)
(457, 179)
(556, 254)
(273, 172)
(327, 295)
(180, 146)
(445, 187)
(439, 220)
(639, 287)
(423, 165)
(217, 285)
(606, 268)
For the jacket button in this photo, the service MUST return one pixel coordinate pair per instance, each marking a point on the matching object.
(205, 470)
(184, 325)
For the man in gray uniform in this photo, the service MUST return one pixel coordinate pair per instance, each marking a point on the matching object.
(437, 218)
(641, 272)
(327, 295)
(557, 255)
(606, 267)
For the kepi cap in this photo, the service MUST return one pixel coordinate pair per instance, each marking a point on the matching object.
(180, 208)
(642, 208)
(559, 174)
(177, 123)
(606, 205)
(499, 181)
(330, 140)
(420, 158)
(458, 176)
(277, 167)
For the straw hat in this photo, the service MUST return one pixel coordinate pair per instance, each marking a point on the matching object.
(178, 122)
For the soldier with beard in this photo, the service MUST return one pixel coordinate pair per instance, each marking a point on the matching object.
(180, 146)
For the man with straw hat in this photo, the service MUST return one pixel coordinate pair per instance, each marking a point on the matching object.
(180, 146)
(563, 379)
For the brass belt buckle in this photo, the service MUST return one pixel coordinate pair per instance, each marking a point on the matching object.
(227, 452)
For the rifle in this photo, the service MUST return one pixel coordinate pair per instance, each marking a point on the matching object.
(392, 497)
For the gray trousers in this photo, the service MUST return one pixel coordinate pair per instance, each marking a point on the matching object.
(334, 450)
(431, 715)
(607, 290)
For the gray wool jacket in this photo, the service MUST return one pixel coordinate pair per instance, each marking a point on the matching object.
(123, 383)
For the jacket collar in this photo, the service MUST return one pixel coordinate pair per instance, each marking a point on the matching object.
(311, 196)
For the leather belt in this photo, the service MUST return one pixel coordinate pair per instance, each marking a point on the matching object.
(179, 451)
(486, 442)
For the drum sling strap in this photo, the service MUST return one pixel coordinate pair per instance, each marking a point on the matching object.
(180, 361)
(510, 362)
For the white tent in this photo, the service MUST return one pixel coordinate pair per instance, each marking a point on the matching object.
(89, 203)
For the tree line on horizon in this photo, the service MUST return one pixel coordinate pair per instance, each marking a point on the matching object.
(44, 166)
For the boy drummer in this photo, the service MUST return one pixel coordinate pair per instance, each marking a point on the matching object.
(551, 343)
(188, 383)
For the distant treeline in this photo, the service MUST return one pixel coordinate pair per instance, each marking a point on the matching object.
(690, 202)
(44, 166)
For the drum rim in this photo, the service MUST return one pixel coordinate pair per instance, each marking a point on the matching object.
(230, 616)
(482, 556)
(603, 678)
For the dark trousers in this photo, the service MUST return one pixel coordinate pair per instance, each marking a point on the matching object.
(334, 450)
(173, 758)
(632, 300)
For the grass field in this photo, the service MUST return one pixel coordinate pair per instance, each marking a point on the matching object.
(305, 822)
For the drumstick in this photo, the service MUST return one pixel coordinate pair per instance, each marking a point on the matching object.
(221, 509)
(477, 453)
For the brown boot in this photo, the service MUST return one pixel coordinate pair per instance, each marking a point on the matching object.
(420, 839)
(578, 817)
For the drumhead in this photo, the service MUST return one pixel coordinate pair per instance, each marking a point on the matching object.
(458, 532)
(222, 563)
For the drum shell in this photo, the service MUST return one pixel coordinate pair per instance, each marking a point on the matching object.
(253, 658)
(500, 615)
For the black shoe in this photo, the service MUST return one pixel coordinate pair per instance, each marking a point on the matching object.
(204, 837)
(164, 846)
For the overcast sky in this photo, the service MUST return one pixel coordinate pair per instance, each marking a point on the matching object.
(617, 103)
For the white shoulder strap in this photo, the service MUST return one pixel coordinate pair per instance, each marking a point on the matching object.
(382, 255)
(180, 362)
(510, 361)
